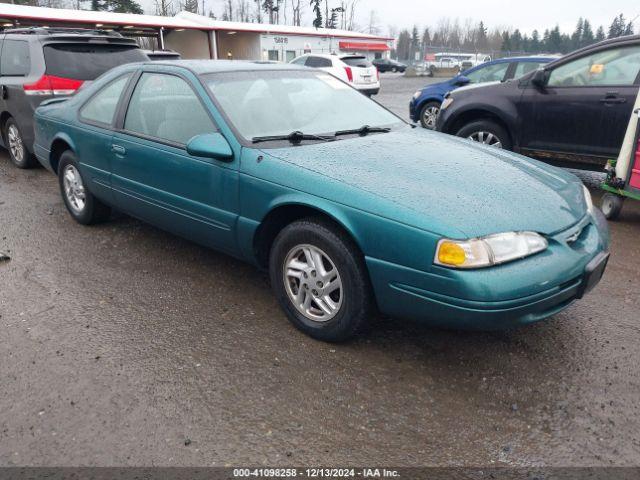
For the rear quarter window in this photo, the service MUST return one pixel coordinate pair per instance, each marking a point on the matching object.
(16, 60)
(86, 61)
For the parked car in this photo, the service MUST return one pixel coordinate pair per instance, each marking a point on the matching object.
(40, 63)
(425, 104)
(572, 111)
(290, 169)
(387, 65)
(353, 69)
(162, 55)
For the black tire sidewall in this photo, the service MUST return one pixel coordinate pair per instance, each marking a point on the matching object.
(356, 297)
(487, 126)
(616, 207)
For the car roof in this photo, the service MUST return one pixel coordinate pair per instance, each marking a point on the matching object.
(201, 67)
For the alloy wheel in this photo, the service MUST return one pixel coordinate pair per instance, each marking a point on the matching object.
(430, 116)
(74, 188)
(312, 283)
(15, 143)
(486, 138)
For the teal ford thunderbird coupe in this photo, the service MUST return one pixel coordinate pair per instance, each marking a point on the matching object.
(348, 207)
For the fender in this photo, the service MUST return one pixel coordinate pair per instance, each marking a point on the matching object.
(247, 228)
(505, 111)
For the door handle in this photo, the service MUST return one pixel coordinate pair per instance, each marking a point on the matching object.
(613, 99)
(120, 150)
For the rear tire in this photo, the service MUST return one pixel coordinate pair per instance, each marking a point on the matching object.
(486, 132)
(611, 206)
(18, 152)
(83, 206)
(319, 278)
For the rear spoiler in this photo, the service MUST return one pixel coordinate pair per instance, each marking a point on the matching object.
(51, 101)
(90, 39)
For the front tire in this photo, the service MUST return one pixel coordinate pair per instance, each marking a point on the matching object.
(429, 115)
(486, 132)
(80, 202)
(611, 206)
(18, 152)
(320, 280)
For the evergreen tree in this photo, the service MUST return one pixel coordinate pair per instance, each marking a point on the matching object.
(618, 27)
(190, 6)
(587, 34)
(415, 42)
(534, 45)
(426, 38)
(506, 42)
(481, 36)
(317, 10)
(516, 40)
(576, 37)
(600, 34)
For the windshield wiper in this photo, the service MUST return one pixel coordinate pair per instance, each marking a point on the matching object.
(363, 131)
(294, 137)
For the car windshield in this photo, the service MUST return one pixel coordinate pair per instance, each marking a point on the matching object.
(271, 103)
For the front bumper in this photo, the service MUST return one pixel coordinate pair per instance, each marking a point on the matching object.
(500, 297)
(414, 114)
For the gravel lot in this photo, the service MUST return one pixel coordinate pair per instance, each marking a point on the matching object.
(123, 345)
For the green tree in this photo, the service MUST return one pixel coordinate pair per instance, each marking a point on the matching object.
(617, 27)
(403, 46)
(415, 42)
(190, 6)
(534, 44)
(317, 10)
(576, 37)
(516, 40)
(587, 34)
(600, 35)
(506, 42)
(481, 36)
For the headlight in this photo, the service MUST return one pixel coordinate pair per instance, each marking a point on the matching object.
(588, 200)
(446, 103)
(417, 94)
(488, 251)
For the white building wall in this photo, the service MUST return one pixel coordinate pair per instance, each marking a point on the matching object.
(284, 48)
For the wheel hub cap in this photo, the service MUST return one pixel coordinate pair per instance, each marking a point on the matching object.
(486, 138)
(74, 188)
(430, 117)
(15, 143)
(312, 283)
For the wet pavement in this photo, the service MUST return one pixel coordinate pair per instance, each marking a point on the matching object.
(123, 345)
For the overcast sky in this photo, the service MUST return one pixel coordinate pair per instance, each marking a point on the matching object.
(526, 15)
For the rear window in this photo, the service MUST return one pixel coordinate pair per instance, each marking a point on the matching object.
(361, 62)
(88, 62)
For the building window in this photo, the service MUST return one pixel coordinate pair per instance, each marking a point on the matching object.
(291, 54)
(273, 55)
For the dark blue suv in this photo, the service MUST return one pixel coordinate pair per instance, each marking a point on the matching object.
(425, 104)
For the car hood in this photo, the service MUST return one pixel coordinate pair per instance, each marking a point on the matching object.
(443, 184)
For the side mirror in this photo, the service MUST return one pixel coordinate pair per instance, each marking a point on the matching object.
(540, 78)
(462, 80)
(210, 145)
